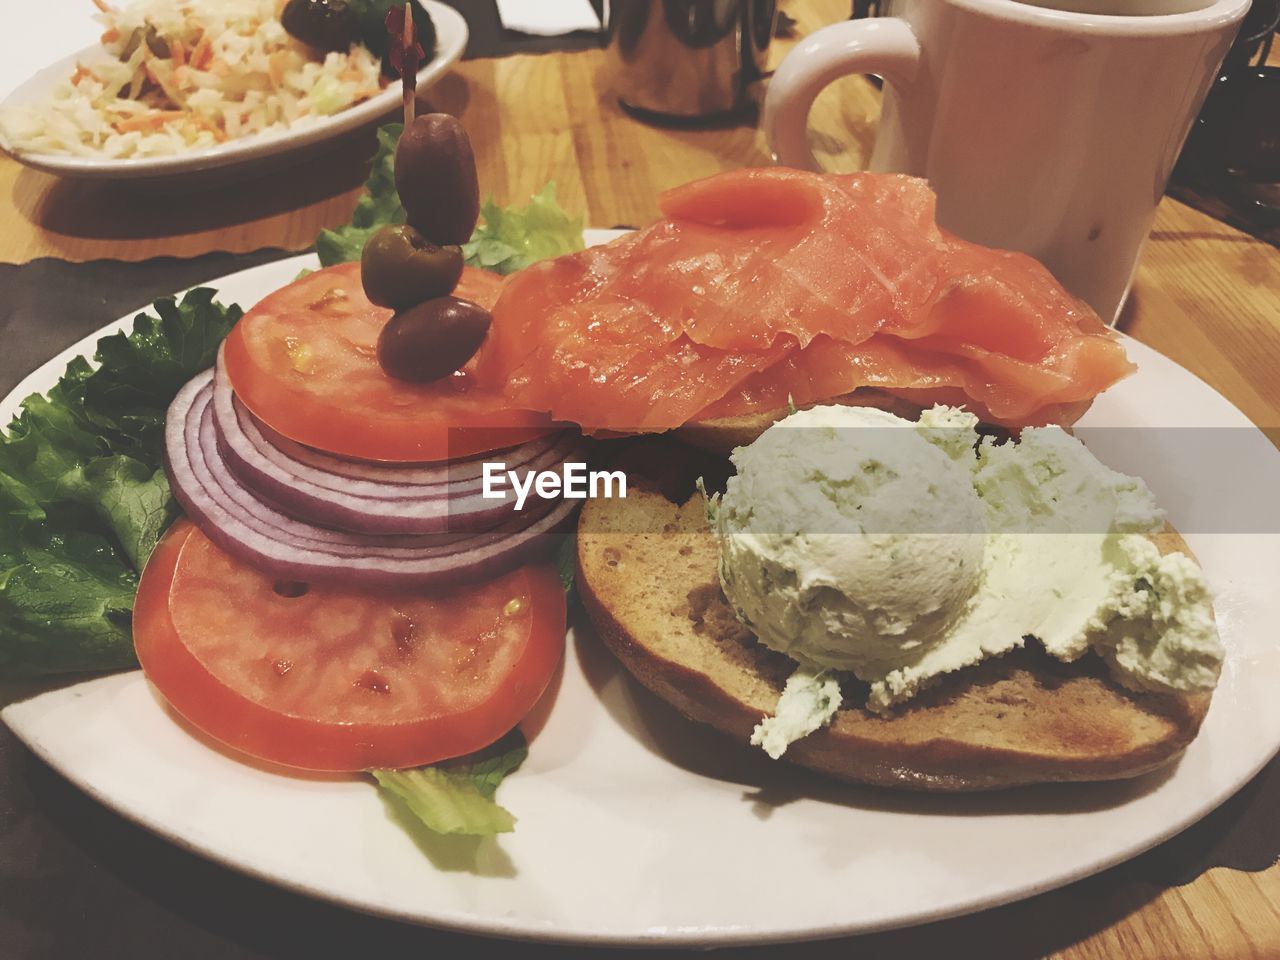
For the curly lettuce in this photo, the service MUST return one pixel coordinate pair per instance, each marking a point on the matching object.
(83, 493)
(511, 238)
(508, 238)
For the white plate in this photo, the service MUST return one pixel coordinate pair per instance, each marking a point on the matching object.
(638, 827)
(259, 150)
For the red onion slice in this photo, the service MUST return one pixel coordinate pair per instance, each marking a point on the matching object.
(253, 530)
(448, 502)
(259, 454)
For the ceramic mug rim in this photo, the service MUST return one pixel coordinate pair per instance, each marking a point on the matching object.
(1218, 13)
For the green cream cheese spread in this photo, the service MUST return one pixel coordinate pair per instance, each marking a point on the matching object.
(855, 541)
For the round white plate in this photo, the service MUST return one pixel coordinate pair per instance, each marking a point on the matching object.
(273, 148)
(639, 827)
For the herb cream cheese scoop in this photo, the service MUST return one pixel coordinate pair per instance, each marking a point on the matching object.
(859, 543)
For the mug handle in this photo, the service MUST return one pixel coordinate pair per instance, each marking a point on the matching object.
(885, 46)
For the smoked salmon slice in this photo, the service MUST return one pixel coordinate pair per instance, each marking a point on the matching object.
(829, 368)
(764, 284)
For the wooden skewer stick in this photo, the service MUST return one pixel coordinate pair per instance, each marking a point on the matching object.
(408, 65)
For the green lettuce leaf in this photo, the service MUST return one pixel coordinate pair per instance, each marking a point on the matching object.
(139, 374)
(378, 206)
(65, 600)
(567, 564)
(511, 238)
(130, 498)
(457, 796)
(83, 494)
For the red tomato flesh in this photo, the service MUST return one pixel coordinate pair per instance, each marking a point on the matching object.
(324, 678)
(304, 361)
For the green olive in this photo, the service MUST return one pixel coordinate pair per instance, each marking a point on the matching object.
(329, 25)
(436, 178)
(399, 268)
(433, 339)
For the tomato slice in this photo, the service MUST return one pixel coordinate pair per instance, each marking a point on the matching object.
(325, 678)
(304, 361)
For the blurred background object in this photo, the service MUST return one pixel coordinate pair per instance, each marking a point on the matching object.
(869, 8)
(1230, 167)
(689, 59)
(548, 18)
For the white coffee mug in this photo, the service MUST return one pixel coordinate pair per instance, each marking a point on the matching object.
(1041, 128)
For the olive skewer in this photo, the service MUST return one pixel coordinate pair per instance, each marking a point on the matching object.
(414, 267)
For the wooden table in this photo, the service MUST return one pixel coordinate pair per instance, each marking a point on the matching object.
(1206, 295)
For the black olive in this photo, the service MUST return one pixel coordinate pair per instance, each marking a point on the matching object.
(400, 268)
(436, 179)
(329, 25)
(432, 339)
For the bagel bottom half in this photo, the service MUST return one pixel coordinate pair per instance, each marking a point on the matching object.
(647, 575)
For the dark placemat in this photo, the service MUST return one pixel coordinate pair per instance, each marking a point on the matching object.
(76, 880)
(47, 305)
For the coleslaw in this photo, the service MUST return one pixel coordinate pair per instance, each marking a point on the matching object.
(188, 76)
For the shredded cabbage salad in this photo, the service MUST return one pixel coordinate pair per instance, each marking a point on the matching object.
(190, 75)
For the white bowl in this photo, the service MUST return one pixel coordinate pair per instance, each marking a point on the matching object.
(271, 148)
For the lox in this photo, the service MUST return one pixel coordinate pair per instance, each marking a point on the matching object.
(769, 284)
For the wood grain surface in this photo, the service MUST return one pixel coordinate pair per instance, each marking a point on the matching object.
(1206, 295)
